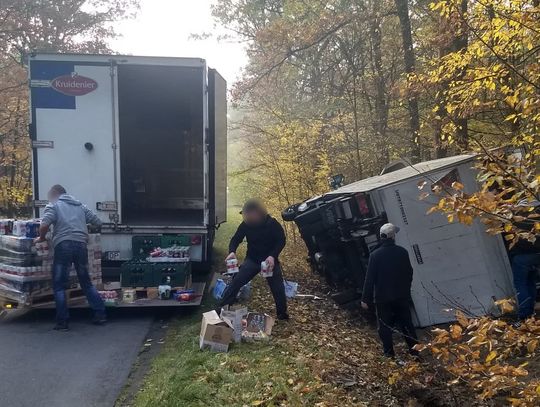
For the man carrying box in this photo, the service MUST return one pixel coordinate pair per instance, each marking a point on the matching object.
(265, 241)
(70, 237)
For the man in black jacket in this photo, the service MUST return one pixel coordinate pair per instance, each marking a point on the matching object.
(388, 285)
(265, 241)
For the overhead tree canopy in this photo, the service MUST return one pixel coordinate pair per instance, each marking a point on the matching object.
(378, 80)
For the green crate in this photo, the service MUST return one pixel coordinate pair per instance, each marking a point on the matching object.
(141, 246)
(180, 274)
(175, 240)
(137, 274)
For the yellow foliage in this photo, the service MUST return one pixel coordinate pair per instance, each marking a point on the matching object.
(496, 70)
(483, 353)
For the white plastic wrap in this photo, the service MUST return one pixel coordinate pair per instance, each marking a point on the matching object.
(22, 280)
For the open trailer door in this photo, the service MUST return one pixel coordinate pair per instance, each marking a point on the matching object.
(73, 129)
(217, 141)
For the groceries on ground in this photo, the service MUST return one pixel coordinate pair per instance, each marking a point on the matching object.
(234, 323)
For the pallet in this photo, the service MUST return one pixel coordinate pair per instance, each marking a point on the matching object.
(73, 295)
(80, 302)
(145, 302)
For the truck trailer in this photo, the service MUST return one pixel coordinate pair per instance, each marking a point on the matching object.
(140, 140)
(456, 267)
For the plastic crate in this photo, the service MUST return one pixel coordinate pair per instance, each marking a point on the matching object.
(137, 274)
(142, 245)
(175, 240)
(179, 273)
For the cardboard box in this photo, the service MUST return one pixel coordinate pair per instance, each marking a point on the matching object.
(115, 285)
(257, 321)
(235, 314)
(216, 333)
(152, 293)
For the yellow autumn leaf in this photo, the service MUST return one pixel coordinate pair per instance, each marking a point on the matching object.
(506, 305)
(456, 331)
(531, 346)
(462, 319)
(257, 403)
(431, 210)
(393, 378)
(492, 355)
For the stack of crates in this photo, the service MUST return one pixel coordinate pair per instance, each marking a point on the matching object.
(142, 274)
(179, 274)
(142, 245)
(137, 273)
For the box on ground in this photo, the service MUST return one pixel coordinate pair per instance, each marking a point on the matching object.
(216, 333)
(258, 327)
(235, 314)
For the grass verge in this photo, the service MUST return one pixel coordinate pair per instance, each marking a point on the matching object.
(323, 357)
(250, 374)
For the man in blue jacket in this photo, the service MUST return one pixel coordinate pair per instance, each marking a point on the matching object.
(388, 285)
(69, 219)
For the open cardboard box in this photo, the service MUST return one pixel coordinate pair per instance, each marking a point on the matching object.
(258, 327)
(235, 314)
(216, 333)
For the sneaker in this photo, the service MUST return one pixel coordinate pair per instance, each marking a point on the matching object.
(99, 320)
(283, 317)
(61, 326)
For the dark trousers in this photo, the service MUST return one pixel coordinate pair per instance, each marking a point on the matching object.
(395, 314)
(524, 270)
(248, 270)
(67, 253)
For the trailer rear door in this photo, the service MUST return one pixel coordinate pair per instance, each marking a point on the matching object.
(72, 127)
(217, 109)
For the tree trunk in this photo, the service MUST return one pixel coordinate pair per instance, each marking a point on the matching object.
(402, 7)
(459, 44)
(381, 107)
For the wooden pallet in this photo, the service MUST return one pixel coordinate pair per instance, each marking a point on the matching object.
(73, 295)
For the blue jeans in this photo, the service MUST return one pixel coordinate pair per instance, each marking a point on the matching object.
(67, 253)
(524, 271)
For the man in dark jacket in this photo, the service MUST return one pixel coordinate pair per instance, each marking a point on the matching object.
(265, 241)
(388, 285)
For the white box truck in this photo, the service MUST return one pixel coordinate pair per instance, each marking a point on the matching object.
(140, 140)
(456, 267)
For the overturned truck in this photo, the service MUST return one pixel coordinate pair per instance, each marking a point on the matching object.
(456, 267)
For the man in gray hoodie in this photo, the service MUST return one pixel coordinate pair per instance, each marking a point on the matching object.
(69, 219)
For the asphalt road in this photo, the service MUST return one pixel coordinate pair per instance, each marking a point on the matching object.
(85, 367)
